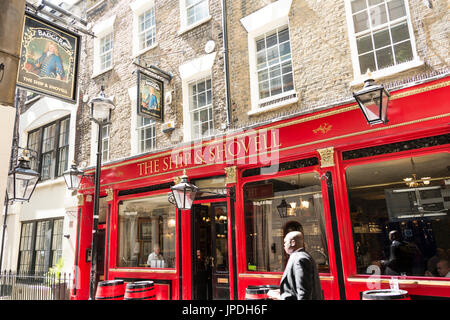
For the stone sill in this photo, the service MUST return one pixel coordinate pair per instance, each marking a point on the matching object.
(185, 29)
(98, 73)
(141, 52)
(376, 75)
(257, 111)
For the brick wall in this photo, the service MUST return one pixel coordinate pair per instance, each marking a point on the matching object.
(321, 58)
(321, 52)
(173, 49)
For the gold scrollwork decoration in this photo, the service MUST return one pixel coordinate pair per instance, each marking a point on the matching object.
(323, 128)
(109, 194)
(326, 157)
(80, 199)
(231, 174)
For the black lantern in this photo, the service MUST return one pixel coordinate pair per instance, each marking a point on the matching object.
(22, 180)
(73, 177)
(184, 193)
(373, 101)
(283, 208)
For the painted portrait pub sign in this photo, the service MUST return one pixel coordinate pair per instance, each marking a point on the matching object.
(150, 97)
(48, 59)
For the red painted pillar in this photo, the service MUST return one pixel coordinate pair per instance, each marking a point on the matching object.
(82, 267)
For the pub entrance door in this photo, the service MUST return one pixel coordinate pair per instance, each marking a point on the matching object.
(210, 272)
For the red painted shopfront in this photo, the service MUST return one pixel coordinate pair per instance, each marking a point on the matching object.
(344, 183)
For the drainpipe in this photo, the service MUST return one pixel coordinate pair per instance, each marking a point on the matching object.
(226, 62)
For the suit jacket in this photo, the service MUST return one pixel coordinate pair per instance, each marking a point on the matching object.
(398, 262)
(300, 279)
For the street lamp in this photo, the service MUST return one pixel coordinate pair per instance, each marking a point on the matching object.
(101, 108)
(183, 194)
(73, 177)
(22, 180)
(373, 101)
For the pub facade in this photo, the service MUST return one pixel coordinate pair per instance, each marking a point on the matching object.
(289, 160)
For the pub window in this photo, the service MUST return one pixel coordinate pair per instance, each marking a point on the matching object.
(380, 33)
(274, 63)
(195, 11)
(201, 108)
(265, 228)
(51, 143)
(146, 224)
(40, 245)
(106, 50)
(147, 29)
(103, 46)
(146, 133)
(410, 195)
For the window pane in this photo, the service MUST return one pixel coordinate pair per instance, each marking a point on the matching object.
(48, 142)
(403, 52)
(260, 44)
(381, 39)
(42, 246)
(261, 59)
(143, 225)
(400, 32)
(378, 15)
(271, 40)
(288, 82)
(374, 2)
(283, 35)
(264, 90)
(63, 160)
(361, 21)
(285, 49)
(358, 5)
(396, 9)
(385, 196)
(275, 86)
(364, 44)
(385, 58)
(367, 61)
(265, 228)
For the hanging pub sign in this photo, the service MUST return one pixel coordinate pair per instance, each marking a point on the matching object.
(48, 59)
(150, 101)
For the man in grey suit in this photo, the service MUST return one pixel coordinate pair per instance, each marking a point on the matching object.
(300, 279)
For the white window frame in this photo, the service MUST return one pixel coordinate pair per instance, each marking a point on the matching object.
(265, 20)
(101, 30)
(140, 7)
(104, 140)
(142, 129)
(360, 75)
(135, 140)
(108, 38)
(198, 135)
(184, 26)
(191, 71)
